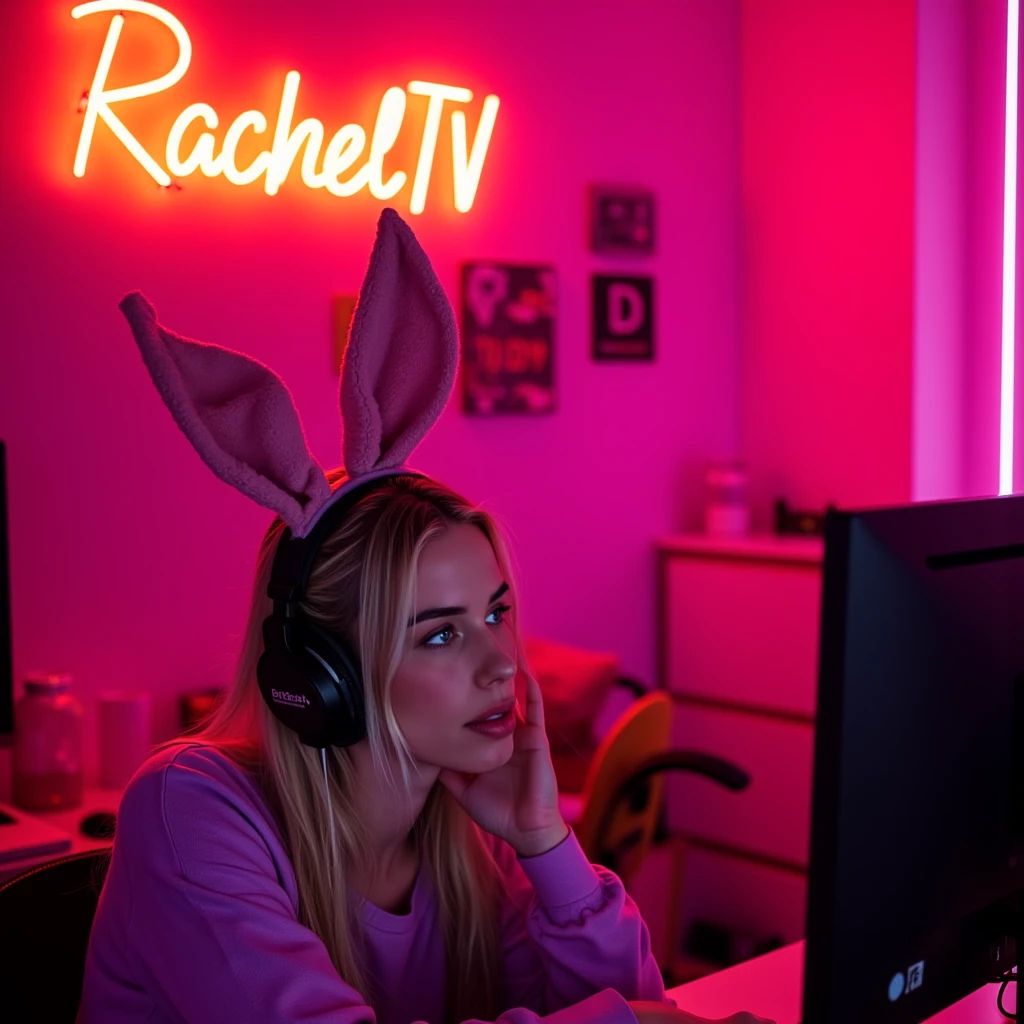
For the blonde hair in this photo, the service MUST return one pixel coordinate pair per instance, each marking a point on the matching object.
(362, 588)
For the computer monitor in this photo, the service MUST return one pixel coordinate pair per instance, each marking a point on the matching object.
(917, 835)
(6, 660)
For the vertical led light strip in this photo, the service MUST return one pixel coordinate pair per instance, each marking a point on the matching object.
(1009, 254)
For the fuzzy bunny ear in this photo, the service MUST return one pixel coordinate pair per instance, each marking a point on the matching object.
(237, 413)
(402, 353)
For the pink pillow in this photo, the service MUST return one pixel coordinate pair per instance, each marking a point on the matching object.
(575, 683)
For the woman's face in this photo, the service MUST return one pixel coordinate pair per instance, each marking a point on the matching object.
(459, 662)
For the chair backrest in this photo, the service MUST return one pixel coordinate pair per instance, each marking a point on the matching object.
(644, 728)
(46, 915)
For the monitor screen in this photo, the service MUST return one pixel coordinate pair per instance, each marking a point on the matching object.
(6, 666)
(917, 848)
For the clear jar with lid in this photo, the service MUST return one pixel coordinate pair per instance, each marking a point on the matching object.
(47, 766)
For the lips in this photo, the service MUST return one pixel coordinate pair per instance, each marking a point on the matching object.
(497, 709)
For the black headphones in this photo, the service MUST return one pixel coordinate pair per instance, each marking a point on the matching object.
(309, 678)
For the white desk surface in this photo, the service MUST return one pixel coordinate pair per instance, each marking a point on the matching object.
(771, 986)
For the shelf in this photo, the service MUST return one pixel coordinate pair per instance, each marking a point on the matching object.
(757, 547)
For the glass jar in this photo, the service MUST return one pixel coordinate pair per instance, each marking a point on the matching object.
(47, 772)
(726, 513)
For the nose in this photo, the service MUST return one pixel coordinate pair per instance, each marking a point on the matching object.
(496, 664)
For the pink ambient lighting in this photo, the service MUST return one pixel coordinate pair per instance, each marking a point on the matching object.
(1009, 255)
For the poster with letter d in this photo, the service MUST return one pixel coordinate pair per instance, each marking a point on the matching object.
(508, 322)
(623, 317)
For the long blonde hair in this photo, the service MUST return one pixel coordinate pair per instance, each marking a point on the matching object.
(362, 588)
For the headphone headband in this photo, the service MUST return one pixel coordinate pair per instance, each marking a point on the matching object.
(294, 558)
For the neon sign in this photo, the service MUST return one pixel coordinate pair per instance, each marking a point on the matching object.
(343, 150)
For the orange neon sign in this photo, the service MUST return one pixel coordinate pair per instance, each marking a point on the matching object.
(343, 149)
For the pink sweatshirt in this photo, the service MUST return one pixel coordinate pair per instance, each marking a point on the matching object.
(198, 923)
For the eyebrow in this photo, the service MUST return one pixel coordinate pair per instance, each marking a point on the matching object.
(442, 613)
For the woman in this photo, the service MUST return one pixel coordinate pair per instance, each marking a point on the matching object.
(368, 827)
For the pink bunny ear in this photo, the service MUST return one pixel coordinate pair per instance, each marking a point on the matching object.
(402, 353)
(237, 413)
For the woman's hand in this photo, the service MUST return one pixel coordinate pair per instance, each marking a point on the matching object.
(662, 1013)
(517, 802)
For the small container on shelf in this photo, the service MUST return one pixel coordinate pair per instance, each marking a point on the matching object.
(47, 770)
(726, 512)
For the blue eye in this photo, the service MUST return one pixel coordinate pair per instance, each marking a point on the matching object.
(500, 611)
(444, 637)
(448, 631)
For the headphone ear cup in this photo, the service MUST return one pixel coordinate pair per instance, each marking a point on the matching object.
(311, 683)
(343, 678)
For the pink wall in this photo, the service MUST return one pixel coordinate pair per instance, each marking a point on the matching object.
(941, 170)
(827, 178)
(961, 87)
(986, 58)
(872, 193)
(130, 560)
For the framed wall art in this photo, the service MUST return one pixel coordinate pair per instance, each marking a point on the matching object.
(508, 337)
(622, 219)
(622, 317)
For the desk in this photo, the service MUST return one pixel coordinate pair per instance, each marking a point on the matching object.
(771, 986)
(69, 821)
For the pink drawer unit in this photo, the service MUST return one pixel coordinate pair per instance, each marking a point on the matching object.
(739, 622)
(771, 817)
(752, 901)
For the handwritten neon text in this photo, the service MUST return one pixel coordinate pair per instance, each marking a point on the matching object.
(321, 167)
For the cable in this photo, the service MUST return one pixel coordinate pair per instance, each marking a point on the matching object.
(1006, 979)
(330, 813)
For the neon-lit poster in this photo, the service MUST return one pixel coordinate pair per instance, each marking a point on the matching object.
(622, 316)
(343, 163)
(508, 323)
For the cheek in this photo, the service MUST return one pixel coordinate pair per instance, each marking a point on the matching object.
(507, 642)
(425, 695)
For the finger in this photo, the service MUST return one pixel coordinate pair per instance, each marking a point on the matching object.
(534, 702)
(521, 687)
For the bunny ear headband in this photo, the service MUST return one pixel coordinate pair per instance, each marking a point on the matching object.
(397, 374)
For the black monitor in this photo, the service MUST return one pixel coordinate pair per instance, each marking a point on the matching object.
(917, 836)
(6, 661)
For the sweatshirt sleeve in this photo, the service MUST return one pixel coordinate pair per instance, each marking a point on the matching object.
(573, 939)
(212, 932)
